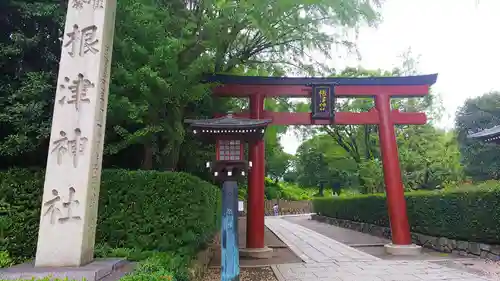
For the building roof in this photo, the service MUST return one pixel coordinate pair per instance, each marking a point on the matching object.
(487, 134)
(362, 81)
(228, 122)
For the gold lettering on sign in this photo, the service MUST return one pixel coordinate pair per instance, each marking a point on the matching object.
(54, 211)
(80, 4)
(76, 146)
(82, 41)
(79, 88)
(323, 100)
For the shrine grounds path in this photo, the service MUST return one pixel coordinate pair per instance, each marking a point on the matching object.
(327, 259)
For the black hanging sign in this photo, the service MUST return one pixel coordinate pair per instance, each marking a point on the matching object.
(323, 102)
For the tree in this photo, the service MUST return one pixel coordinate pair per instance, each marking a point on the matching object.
(429, 158)
(156, 73)
(278, 164)
(481, 161)
(320, 158)
(277, 161)
(162, 49)
(29, 51)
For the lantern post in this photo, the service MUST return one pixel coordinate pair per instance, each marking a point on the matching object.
(230, 134)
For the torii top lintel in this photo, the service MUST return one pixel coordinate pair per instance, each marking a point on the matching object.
(241, 86)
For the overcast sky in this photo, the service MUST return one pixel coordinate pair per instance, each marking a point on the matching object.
(458, 39)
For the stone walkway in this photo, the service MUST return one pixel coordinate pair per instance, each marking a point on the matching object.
(345, 236)
(367, 243)
(328, 260)
(313, 247)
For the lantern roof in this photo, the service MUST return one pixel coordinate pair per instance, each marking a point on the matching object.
(488, 135)
(228, 122)
(229, 127)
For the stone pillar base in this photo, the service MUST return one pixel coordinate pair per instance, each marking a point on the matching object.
(257, 253)
(111, 269)
(403, 250)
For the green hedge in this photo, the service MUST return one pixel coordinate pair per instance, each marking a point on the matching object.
(146, 210)
(462, 215)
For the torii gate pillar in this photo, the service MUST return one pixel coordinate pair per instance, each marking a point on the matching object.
(255, 202)
(396, 203)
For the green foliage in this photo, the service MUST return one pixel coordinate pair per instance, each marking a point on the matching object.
(162, 266)
(372, 176)
(462, 214)
(157, 74)
(277, 161)
(287, 191)
(22, 190)
(29, 51)
(350, 155)
(5, 259)
(481, 160)
(103, 250)
(429, 157)
(154, 210)
(280, 190)
(320, 158)
(153, 265)
(47, 278)
(161, 50)
(5, 221)
(143, 210)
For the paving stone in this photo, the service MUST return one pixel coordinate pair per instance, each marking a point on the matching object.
(328, 260)
(399, 277)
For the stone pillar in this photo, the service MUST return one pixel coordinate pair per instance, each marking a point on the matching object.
(72, 180)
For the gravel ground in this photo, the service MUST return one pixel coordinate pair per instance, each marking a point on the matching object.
(246, 274)
(478, 266)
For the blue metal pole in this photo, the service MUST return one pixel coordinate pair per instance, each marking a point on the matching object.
(230, 261)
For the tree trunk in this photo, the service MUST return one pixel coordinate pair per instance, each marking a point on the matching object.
(172, 157)
(321, 189)
(147, 160)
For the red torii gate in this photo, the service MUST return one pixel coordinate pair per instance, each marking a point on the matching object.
(325, 89)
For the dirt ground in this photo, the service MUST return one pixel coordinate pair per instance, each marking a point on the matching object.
(246, 274)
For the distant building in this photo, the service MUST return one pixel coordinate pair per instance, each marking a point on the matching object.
(491, 135)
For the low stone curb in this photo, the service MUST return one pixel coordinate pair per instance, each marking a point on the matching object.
(441, 244)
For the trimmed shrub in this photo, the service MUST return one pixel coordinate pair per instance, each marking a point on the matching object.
(143, 210)
(21, 190)
(161, 211)
(462, 215)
